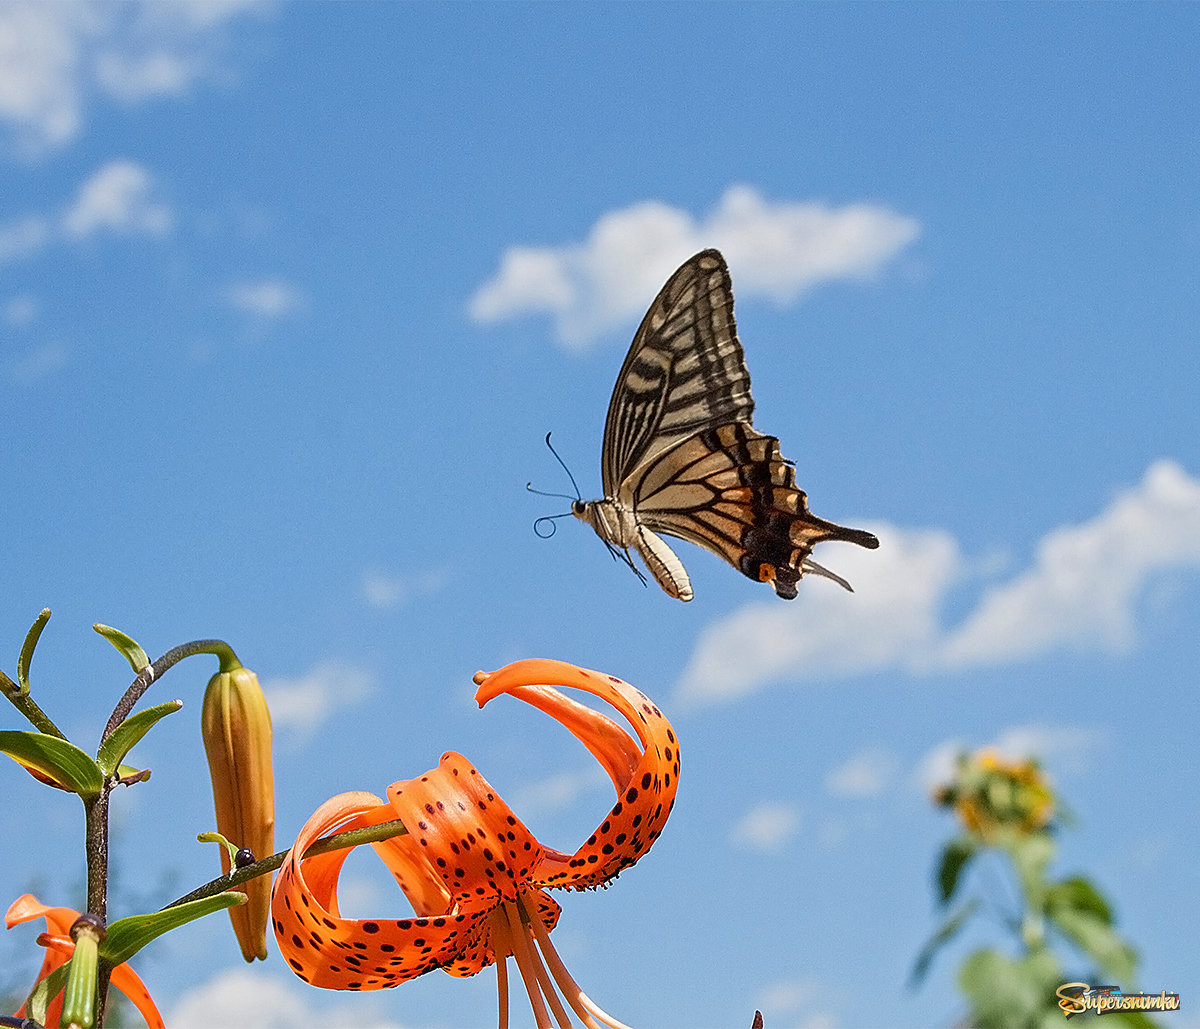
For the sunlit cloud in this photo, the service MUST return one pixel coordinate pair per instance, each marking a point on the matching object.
(241, 997)
(1080, 593)
(778, 250)
(303, 704)
(767, 827)
(56, 59)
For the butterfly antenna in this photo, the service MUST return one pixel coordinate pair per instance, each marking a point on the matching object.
(578, 495)
(551, 528)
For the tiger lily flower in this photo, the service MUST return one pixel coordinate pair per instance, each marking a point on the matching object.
(59, 948)
(476, 877)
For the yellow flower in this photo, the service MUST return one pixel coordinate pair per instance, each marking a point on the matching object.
(992, 795)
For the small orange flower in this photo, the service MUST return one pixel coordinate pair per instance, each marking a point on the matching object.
(59, 948)
(474, 874)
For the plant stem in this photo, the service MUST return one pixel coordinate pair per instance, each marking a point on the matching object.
(338, 841)
(155, 669)
(23, 702)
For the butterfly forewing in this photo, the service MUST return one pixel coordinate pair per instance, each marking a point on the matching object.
(685, 370)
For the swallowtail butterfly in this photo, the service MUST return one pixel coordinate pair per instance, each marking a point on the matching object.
(682, 459)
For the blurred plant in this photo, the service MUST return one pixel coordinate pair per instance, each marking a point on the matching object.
(1008, 809)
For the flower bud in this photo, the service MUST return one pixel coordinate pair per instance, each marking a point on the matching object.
(236, 726)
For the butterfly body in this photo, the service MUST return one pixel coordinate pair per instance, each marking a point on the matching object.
(681, 457)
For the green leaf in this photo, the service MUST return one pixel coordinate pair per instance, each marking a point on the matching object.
(69, 767)
(127, 936)
(945, 933)
(1078, 895)
(31, 639)
(954, 859)
(133, 653)
(126, 735)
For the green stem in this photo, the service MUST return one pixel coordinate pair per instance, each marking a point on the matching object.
(152, 671)
(338, 841)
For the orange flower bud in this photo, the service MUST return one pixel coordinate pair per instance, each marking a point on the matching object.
(236, 726)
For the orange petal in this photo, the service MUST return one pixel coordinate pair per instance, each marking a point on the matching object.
(646, 780)
(129, 983)
(350, 954)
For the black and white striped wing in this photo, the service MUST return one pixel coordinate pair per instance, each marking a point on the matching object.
(729, 490)
(685, 371)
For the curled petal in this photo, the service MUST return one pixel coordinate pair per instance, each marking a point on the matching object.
(465, 833)
(338, 953)
(645, 778)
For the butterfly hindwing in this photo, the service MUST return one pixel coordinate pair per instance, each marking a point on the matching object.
(730, 491)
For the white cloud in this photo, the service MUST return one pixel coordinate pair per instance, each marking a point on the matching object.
(1085, 580)
(302, 704)
(891, 618)
(1081, 593)
(777, 250)
(121, 198)
(118, 198)
(241, 997)
(386, 590)
(23, 238)
(21, 310)
(864, 774)
(56, 58)
(788, 1000)
(766, 827)
(40, 363)
(558, 792)
(265, 299)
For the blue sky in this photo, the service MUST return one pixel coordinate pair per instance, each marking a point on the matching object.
(291, 294)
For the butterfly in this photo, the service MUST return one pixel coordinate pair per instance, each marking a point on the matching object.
(681, 458)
